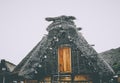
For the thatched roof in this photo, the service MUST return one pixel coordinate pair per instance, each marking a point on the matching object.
(62, 31)
(112, 57)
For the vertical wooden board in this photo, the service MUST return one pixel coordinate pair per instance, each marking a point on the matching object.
(64, 59)
(60, 60)
(68, 59)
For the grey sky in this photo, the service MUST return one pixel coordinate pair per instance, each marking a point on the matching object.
(22, 23)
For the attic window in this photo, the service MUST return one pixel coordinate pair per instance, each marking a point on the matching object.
(64, 59)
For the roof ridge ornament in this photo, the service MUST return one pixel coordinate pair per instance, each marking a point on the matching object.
(60, 21)
(60, 18)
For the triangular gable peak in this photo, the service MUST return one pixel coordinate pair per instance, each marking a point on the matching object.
(64, 51)
(65, 28)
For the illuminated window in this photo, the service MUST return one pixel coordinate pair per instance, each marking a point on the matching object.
(64, 59)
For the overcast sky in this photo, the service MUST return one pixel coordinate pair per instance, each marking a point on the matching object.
(22, 23)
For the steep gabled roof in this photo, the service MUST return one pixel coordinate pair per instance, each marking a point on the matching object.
(61, 28)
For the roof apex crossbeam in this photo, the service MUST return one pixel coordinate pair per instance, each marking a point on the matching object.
(60, 18)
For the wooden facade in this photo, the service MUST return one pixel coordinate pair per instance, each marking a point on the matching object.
(63, 56)
(64, 60)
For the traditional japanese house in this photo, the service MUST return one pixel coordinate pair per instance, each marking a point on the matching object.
(63, 56)
(6, 69)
